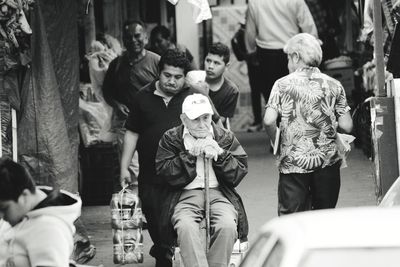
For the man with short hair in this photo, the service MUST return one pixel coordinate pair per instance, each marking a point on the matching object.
(181, 157)
(135, 68)
(156, 108)
(223, 92)
(312, 109)
(42, 219)
(126, 75)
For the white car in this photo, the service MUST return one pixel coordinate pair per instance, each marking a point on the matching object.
(348, 237)
(392, 196)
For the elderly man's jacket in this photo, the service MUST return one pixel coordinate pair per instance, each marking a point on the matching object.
(178, 167)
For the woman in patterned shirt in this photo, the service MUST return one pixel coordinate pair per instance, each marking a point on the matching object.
(311, 107)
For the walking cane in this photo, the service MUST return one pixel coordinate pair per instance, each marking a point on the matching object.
(207, 200)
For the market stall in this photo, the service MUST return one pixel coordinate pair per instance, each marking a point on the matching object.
(39, 79)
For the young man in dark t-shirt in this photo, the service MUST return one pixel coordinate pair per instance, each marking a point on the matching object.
(156, 108)
(223, 92)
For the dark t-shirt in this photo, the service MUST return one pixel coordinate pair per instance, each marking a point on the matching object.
(150, 118)
(225, 99)
(124, 79)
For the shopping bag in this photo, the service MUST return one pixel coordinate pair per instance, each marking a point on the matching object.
(126, 224)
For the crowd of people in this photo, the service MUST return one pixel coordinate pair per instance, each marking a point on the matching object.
(175, 142)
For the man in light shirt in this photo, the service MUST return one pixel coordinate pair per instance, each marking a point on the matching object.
(269, 25)
(180, 160)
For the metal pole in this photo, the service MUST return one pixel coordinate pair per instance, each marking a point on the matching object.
(14, 134)
(207, 200)
(378, 48)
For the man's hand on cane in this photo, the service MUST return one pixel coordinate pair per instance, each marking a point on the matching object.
(198, 146)
(211, 152)
(207, 147)
(211, 149)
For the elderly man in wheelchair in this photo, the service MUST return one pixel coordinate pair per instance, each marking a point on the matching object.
(202, 164)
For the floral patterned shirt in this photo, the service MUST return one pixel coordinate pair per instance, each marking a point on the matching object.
(308, 103)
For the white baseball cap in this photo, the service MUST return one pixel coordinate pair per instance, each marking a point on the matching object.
(196, 105)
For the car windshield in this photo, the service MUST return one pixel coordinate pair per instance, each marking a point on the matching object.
(350, 257)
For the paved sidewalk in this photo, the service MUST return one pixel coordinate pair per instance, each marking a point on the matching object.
(258, 190)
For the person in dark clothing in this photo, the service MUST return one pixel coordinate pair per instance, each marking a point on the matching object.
(255, 76)
(135, 68)
(223, 92)
(254, 73)
(161, 41)
(181, 157)
(328, 26)
(125, 76)
(156, 108)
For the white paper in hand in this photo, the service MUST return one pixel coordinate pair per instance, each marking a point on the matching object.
(277, 137)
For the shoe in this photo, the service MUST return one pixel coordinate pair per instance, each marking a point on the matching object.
(83, 252)
(255, 127)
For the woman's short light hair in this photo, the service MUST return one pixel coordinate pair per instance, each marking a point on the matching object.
(307, 47)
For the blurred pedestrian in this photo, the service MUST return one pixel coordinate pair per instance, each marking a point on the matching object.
(269, 25)
(312, 108)
(161, 40)
(42, 219)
